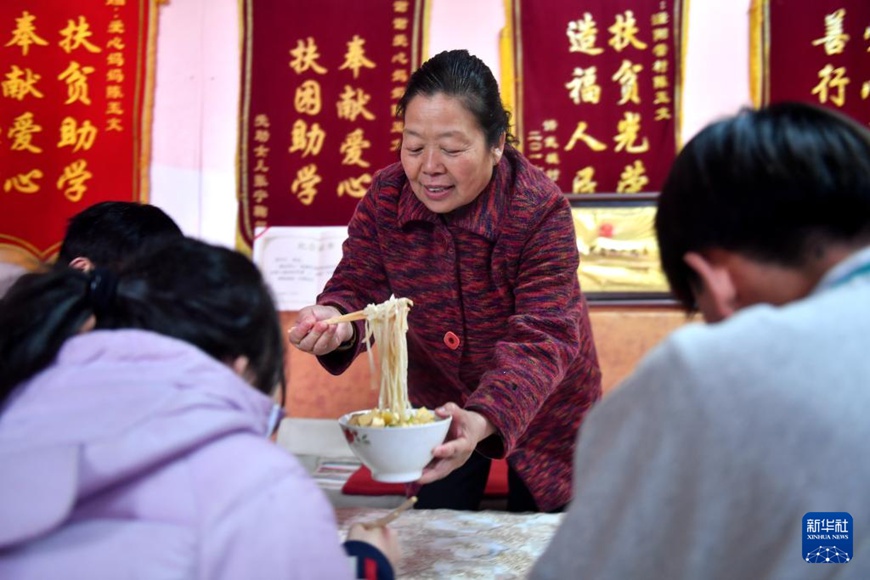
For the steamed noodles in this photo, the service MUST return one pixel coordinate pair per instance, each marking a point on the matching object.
(387, 324)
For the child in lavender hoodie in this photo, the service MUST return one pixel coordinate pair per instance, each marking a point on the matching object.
(132, 443)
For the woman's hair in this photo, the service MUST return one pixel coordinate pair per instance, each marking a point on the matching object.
(775, 184)
(456, 73)
(211, 297)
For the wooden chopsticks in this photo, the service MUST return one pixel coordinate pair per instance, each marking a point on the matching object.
(384, 520)
(349, 317)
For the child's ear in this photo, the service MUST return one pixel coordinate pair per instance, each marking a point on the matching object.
(89, 324)
(240, 366)
(717, 297)
(82, 263)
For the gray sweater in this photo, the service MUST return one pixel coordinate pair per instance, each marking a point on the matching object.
(702, 464)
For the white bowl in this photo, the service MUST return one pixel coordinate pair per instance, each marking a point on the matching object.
(394, 454)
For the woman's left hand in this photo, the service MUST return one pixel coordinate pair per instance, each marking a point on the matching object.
(466, 430)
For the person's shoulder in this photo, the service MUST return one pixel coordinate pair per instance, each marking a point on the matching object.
(9, 273)
(530, 189)
(690, 367)
(259, 467)
(130, 346)
(526, 175)
(753, 353)
(385, 191)
(389, 178)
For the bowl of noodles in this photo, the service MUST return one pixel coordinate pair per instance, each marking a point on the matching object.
(397, 452)
(394, 440)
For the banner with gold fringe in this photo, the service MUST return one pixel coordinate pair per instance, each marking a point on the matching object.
(77, 87)
(320, 82)
(815, 51)
(598, 88)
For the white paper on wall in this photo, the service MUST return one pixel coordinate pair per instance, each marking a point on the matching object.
(298, 261)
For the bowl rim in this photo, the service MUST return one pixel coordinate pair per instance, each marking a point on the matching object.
(343, 421)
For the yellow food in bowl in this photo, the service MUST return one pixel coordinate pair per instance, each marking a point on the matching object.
(384, 418)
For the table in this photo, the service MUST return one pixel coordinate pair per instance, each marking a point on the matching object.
(315, 441)
(436, 544)
(452, 544)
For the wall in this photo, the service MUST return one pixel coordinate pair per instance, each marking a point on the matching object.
(196, 102)
(193, 173)
(622, 336)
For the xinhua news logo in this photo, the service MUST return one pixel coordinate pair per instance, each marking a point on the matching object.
(827, 537)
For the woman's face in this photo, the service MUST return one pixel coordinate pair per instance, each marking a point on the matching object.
(444, 153)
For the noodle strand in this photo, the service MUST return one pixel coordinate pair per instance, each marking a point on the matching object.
(387, 325)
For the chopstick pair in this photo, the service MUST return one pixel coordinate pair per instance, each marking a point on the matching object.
(384, 520)
(361, 314)
(349, 317)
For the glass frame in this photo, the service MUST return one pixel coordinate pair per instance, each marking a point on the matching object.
(625, 270)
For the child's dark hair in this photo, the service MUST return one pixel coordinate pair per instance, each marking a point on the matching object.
(109, 232)
(775, 184)
(211, 297)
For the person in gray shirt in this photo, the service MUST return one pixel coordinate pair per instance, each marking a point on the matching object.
(740, 449)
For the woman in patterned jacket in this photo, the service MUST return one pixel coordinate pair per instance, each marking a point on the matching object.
(483, 244)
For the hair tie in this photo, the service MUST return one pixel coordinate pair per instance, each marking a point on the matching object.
(102, 290)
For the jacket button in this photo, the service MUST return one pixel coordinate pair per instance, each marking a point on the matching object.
(451, 340)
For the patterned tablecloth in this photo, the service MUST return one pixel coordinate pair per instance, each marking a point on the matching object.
(458, 544)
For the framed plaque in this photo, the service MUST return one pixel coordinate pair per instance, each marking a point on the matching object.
(619, 255)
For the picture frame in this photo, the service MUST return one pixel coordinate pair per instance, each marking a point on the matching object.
(619, 256)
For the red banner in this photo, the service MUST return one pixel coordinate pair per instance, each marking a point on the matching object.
(816, 51)
(77, 84)
(319, 86)
(598, 91)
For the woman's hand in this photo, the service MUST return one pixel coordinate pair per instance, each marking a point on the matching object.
(383, 538)
(314, 336)
(466, 430)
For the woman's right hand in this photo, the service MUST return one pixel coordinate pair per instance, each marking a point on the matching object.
(312, 335)
(384, 538)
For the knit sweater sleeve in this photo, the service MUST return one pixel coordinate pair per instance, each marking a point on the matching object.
(542, 337)
(360, 278)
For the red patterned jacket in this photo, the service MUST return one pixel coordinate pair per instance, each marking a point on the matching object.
(501, 275)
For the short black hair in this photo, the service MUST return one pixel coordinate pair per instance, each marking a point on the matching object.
(109, 232)
(457, 73)
(775, 184)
